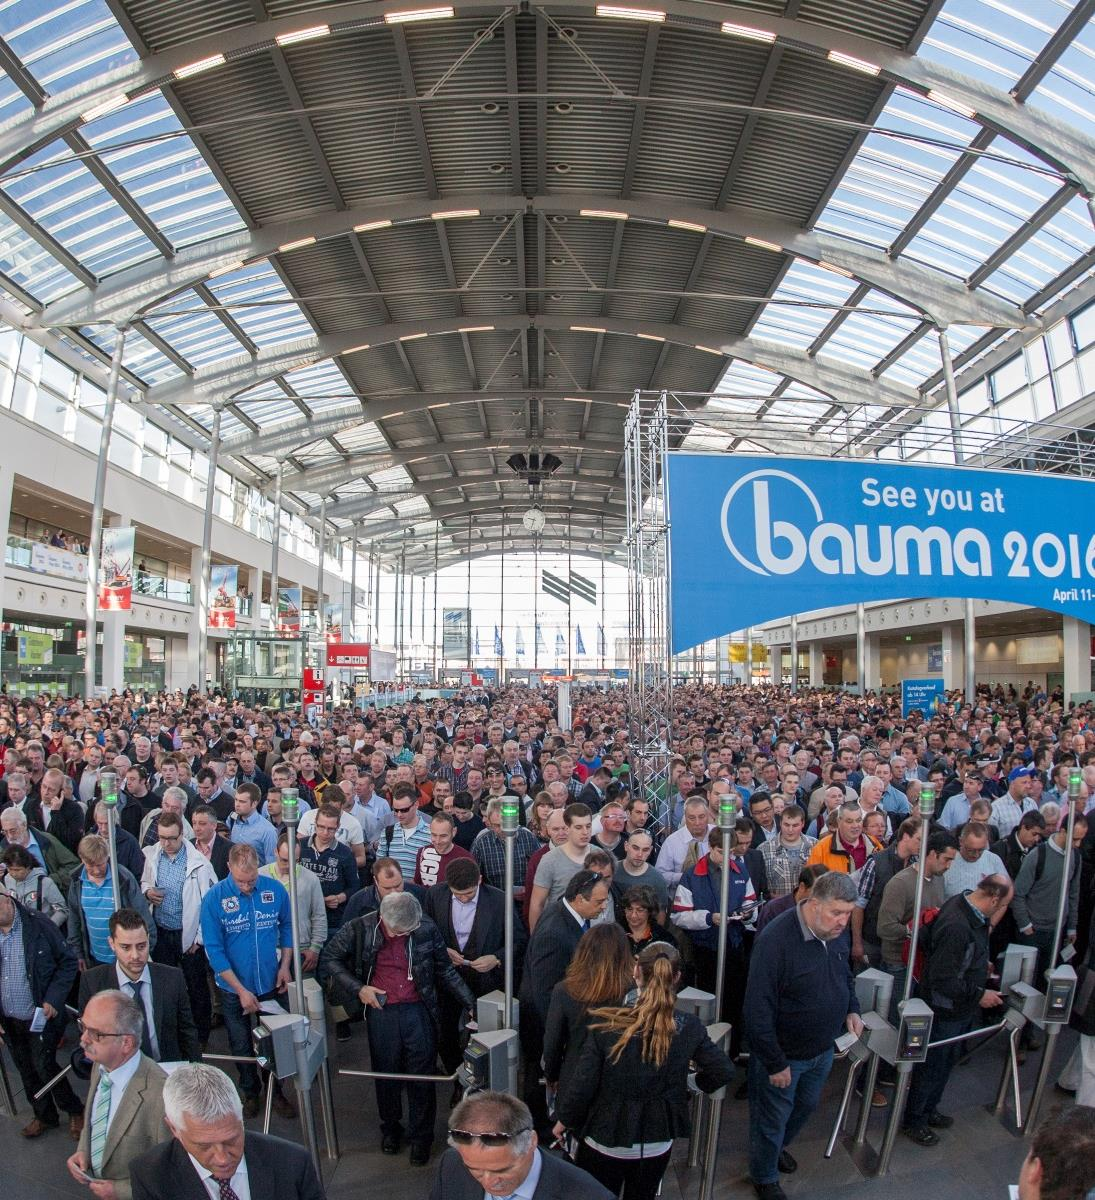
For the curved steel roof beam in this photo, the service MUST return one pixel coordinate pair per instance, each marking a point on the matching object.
(1056, 143)
(330, 476)
(226, 379)
(359, 507)
(935, 295)
(459, 509)
(492, 548)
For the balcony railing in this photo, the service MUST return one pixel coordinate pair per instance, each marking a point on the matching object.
(44, 559)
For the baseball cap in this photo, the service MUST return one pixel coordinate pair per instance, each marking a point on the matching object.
(1020, 773)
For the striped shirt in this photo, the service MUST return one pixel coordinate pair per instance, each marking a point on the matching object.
(405, 845)
(97, 905)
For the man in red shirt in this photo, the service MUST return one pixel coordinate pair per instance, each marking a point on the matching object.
(434, 860)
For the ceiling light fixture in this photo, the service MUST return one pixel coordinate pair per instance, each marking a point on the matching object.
(748, 32)
(710, 350)
(691, 226)
(302, 35)
(203, 64)
(603, 214)
(454, 214)
(227, 269)
(828, 266)
(356, 349)
(476, 329)
(383, 223)
(413, 337)
(107, 106)
(761, 244)
(650, 337)
(586, 329)
(419, 14)
(621, 13)
(854, 64)
(285, 247)
(955, 106)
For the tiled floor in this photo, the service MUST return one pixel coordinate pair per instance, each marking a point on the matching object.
(976, 1159)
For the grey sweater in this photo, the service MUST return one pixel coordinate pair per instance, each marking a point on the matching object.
(896, 910)
(1036, 903)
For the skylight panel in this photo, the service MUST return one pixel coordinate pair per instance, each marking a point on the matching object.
(65, 44)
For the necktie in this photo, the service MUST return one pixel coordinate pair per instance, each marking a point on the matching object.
(137, 989)
(225, 1186)
(585, 926)
(100, 1121)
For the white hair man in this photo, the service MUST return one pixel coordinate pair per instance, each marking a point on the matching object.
(212, 1153)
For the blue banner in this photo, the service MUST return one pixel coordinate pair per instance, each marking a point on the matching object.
(753, 539)
(580, 646)
(923, 694)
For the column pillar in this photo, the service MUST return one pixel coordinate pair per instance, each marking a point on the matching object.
(870, 673)
(7, 478)
(1076, 652)
(794, 654)
(251, 578)
(816, 658)
(954, 655)
(195, 643)
(114, 626)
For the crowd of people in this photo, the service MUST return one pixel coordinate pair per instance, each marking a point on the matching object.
(399, 861)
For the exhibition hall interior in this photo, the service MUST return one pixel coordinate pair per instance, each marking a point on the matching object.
(609, 488)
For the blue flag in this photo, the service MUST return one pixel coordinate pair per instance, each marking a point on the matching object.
(497, 642)
(477, 641)
(520, 642)
(560, 642)
(578, 642)
(541, 645)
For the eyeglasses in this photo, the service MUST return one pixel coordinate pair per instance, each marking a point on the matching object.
(408, 808)
(97, 1035)
(465, 1137)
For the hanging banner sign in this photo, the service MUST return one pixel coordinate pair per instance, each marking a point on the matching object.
(348, 654)
(34, 649)
(332, 622)
(134, 656)
(456, 635)
(289, 600)
(53, 560)
(807, 534)
(223, 585)
(924, 695)
(116, 568)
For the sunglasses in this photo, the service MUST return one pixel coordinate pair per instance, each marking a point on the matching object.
(403, 810)
(464, 1137)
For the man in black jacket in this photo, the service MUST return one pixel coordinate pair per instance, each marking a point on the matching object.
(472, 1170)
(171, 1035)
(1022, 839)
(204, 1113)
(393, 962)
(41, 973)
(471, 918)
(55, 812)
(952, 982)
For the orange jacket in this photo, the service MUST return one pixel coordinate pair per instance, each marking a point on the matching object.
(830, 852)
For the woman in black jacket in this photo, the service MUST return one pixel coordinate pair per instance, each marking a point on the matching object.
(627, 1097)
(600, 973)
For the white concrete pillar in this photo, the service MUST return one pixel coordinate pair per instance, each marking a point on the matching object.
(7, 478)
(870, 669)
(816, 653)
(114, 624)
(251, 582)
(193, 634)
(1076, 654)
(954, 655)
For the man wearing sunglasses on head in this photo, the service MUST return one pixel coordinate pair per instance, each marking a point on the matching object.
(494, 1154)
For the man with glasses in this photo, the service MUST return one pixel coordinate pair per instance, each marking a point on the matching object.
(410, 833)
(170, 1033)
(493, 1151)
(331, 862)
(175, 880)
(124, 1114)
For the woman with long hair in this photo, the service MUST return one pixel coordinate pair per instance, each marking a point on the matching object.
(627, 1097)
(539, 810)
(639, 912)
(600, 973)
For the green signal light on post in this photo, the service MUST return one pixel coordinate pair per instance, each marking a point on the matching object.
(1075, 778)
(108, 788)
(927, 801)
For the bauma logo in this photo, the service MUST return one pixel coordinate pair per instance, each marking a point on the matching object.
(747, 508)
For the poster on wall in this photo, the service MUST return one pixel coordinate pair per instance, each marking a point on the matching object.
(134, 656)
(923, 695)
(332, 622)
(116, 568)
(223, 585)
(34, 649)
(800, 534)
(289, 601)
(456, 634)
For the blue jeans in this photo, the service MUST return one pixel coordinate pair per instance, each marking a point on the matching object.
(238, 1026)
(776, 1115)
(402, 1040)
(930, 1077)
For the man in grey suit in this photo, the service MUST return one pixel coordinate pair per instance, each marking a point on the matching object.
(124, 1113)
(212, 1155)
(494, 1151)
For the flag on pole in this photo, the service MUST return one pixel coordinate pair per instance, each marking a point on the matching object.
(477, 641)
(601, 647)
(541, 645)
(497, 643)
(581, 646)
(560, 641)
(520, 642)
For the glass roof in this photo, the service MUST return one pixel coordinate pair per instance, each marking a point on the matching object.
(132, 187)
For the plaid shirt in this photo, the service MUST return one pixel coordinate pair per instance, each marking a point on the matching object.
(457, 780)
(16, 998)
(170, 877)
(489, 851)
(783, 864)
